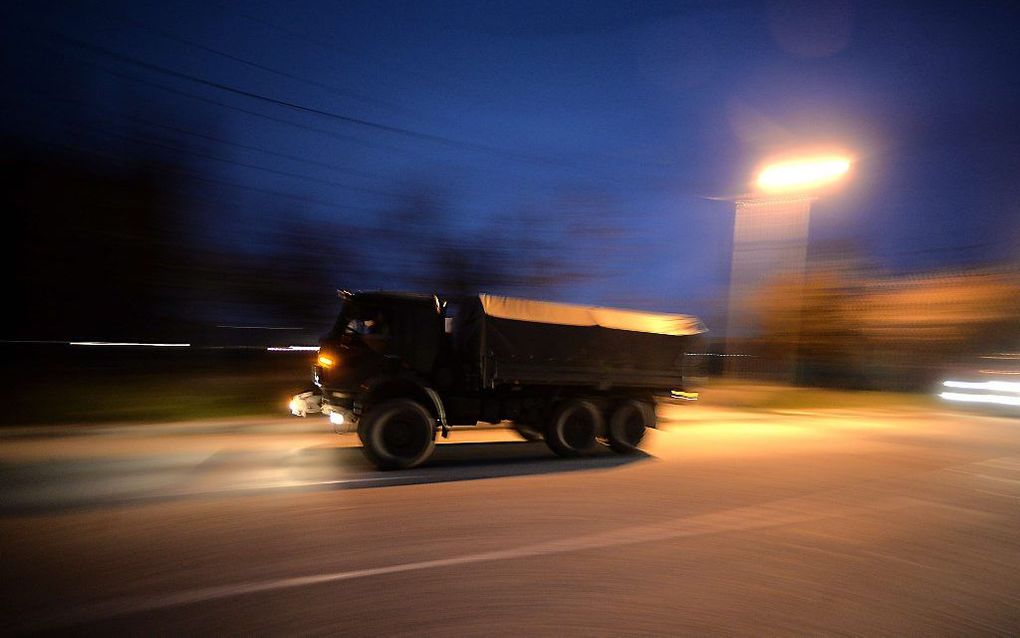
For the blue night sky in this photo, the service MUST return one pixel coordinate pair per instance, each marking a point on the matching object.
(631, 112)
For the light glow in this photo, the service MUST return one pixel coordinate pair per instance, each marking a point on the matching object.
(996, 399)
(326, 362)
(293, 349)
(803, 174)
(336, 418)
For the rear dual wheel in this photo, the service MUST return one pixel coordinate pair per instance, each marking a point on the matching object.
(573, 428)
(627, 425)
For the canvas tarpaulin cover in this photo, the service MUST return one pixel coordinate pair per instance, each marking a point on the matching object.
(539, 341)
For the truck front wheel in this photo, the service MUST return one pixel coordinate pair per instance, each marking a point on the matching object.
(627, 425)
(397, 434)
(573, 427)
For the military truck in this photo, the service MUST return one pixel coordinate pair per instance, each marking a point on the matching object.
(400, 369)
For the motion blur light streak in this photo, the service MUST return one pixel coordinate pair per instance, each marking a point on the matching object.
(293, 349)
(997, 399)
(1001, 386)
(802, 174)
(325, 362)
(988, 392)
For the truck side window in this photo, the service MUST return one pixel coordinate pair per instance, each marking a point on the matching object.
(357, 326)
(374, 324)
(366, 321)
(378, 326)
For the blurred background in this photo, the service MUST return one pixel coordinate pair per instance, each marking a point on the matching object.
(830, 185)
(196, 179)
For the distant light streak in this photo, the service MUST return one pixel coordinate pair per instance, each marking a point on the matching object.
(802, 174)
(293, 349)
(997, 399)
(129, 344)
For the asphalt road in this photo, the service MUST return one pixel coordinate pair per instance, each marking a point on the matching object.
(891, 522)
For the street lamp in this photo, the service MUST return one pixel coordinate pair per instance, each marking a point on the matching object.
(770, 235)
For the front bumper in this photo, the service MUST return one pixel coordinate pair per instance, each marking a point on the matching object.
(342, 410)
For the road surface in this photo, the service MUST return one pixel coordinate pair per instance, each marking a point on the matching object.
(887, 522)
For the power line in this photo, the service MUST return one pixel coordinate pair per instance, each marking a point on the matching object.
(323, 131)
(304, 37)
(206, 156)
(321, 42)
(287, 104)
(240, 109)
(271, 118)
(224, 105)
(205, 136)
(220, 140)
(220, 182)
(408, 132)
(296, 34)
(214, 158)
(229, 56)
(256, 189)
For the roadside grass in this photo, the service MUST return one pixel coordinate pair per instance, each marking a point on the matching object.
(142, 400)
(156, 398)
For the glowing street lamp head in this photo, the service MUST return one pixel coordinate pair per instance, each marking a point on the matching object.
(802, 174)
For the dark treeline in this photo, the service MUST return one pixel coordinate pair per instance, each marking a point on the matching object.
(96, 251)
(115, 250)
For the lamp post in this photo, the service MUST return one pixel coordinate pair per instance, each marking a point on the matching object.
(770, 235)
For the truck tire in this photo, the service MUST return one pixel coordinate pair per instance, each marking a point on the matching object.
(573, 427)
(628, 423)
(397, 434)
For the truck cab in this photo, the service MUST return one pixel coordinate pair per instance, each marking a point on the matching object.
(380, 342)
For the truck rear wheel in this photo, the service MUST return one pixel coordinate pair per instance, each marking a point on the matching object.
(573, 427)
(628, 423)
(397, 434)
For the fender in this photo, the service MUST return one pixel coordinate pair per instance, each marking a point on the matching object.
(406, 385)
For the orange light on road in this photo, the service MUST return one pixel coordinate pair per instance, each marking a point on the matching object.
(802, 174)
